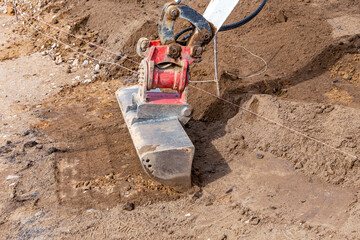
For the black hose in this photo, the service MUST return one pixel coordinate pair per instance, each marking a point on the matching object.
(244, 21)
(182, 32)
(230, 26)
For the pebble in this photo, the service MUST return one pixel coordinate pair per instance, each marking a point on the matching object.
(10, 177)
(129, 206)
(229, 191)
(259, 156)
(39, 147)
(54, 150)
(254, 221)
(76, 62)
(58, 59)
(85, 63)
(30, 144)
(97, 68)
(224, 237)
(27, 132)
(91, 210)
(39, 214)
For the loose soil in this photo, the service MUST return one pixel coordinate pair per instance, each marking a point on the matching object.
(69, 169)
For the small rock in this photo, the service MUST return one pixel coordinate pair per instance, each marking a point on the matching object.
(92, 210)
(187, 215)
(10, 11)
(99, 41)
(30, 144)
(254, 221)
(85, 63)
(58, 59)
(197, 195)
(281, 16)
(8, 142)
(10, 177)
(76, 62)
(39, 147)
(259, 156)
(129, 206)
(229, 191)
(97, 68)
(54, 150)
(346, 76)
(224, 237)
(27, 132)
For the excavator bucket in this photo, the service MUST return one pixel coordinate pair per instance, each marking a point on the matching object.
(165, 151)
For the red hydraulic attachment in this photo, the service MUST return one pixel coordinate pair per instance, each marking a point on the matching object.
(166, 67)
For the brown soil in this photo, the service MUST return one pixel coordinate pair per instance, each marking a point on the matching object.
(252, 179)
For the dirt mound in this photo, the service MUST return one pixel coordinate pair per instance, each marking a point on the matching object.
(334, 125)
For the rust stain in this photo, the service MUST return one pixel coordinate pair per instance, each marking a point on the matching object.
(148, 148)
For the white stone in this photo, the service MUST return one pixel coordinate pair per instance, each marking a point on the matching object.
(10, 177)
(76, 62)
(85, 63)
(97, 67)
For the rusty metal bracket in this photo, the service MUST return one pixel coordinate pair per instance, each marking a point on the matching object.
(203, 30)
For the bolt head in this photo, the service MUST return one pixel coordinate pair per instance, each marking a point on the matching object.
(174, 51)
(187, 112)
(173, 12)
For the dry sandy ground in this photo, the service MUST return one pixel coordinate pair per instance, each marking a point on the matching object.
(68, 167)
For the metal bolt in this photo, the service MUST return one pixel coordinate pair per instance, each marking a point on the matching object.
(206, 36)
(197, 51)
(174, 51)
(186, 112)
(144, 45)
(173, 12)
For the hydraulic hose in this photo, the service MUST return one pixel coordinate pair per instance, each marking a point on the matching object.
(230, 26)
(244, 21)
